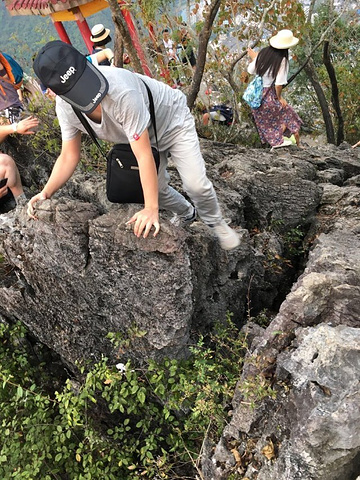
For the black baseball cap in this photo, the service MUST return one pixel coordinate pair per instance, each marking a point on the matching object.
(70, 75)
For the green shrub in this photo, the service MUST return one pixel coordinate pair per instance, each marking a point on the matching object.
(119, 421)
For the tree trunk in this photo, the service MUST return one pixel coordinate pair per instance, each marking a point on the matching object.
(312, 75)
(209, 18)
(334, 93)
(118, 50)
(188, 10)
(121, 31)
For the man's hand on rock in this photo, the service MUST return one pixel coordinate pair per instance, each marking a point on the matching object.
(31, 204)
(27, 126)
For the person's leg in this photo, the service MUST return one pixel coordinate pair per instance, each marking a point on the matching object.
(8, 169)
(188, 160)
(169, 198)
(292, 122)
(174, 72)
(297, 138)
(187, 157)
(206, 118)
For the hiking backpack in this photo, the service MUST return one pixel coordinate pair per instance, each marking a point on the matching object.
(13, 70)
(253, 92)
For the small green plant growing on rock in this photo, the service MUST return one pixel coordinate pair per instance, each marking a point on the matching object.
(293, 241)
(256, 389)
(114, 421)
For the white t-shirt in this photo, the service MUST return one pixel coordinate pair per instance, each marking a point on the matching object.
(170, 49)
(93, 59)
(125, 110)
(281, 77)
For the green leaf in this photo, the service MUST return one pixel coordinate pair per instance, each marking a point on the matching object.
(19, 392)
(134, 389)
(141, 396)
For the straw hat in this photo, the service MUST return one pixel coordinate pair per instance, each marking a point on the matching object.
(99, 33)
(283, 39)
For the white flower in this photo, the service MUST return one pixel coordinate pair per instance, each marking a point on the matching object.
(121, 367)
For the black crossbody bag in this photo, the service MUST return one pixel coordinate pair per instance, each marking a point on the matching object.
(123, 183)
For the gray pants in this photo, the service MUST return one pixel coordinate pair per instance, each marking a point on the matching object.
(183, 145)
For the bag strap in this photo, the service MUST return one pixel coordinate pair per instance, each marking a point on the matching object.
(92, 134)
(5, 63)
(152, 111)
(252, 115)
(89, 130)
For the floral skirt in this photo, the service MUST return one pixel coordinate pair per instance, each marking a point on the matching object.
(273, 120)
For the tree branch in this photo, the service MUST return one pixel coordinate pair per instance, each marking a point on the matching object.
(229, 75)
(204, 36)
(322, 38)
(311, 11)
(123, 32)
(334, 92)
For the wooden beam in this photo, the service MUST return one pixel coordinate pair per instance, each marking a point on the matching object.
(61, 9)
(61, 31)
(88, 9)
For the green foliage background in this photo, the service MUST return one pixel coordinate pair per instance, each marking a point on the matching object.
(22, 36)
(116, 422)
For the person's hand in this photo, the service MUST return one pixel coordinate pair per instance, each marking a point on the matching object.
(50, 94)
(126, 59)
(252, 54)
(144, 220)
(31, 204)
(283, 101)
(27, 126)
(3, 191)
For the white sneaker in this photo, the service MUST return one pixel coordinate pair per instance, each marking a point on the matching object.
(228, 238)
(286, 143)
(5, 221)
(292, 139)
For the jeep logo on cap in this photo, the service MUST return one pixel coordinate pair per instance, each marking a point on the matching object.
(96, 97)
(68, 74)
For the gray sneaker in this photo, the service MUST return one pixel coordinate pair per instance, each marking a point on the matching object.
(190, 218)
(177, 220)
(228, 238)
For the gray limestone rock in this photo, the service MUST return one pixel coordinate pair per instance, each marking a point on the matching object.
(77, 274)
(310, 355)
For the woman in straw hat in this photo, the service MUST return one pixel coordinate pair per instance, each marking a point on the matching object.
(100, 36)
(275, 118)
